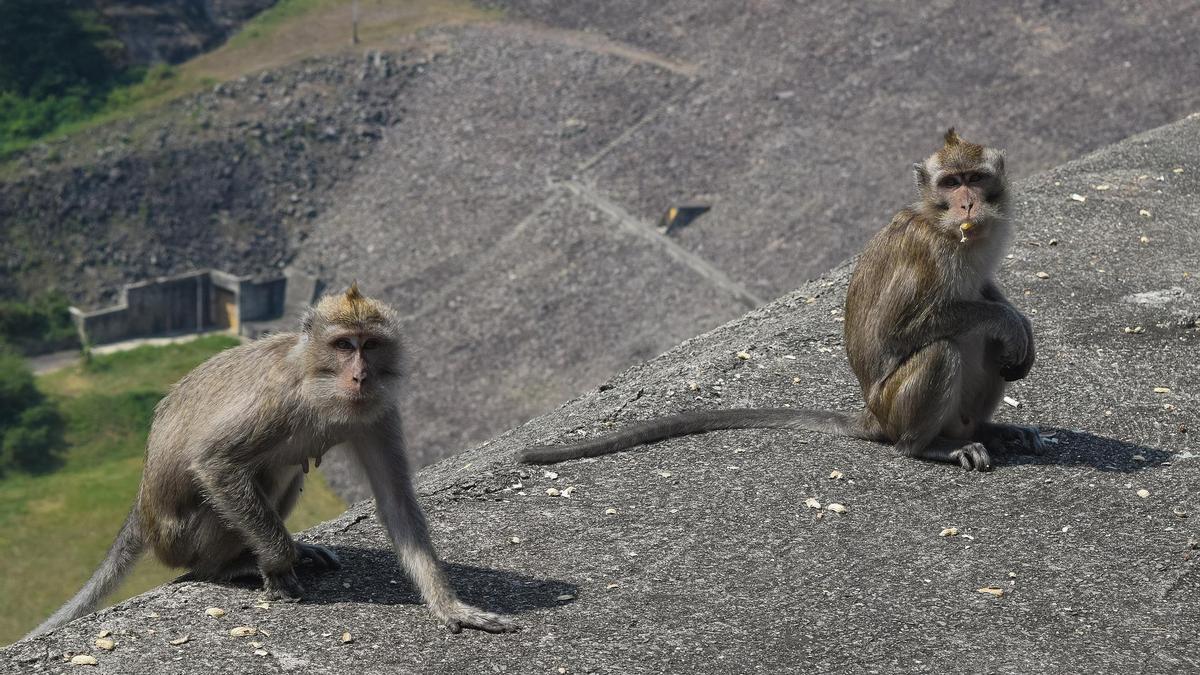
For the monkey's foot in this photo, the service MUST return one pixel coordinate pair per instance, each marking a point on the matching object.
(282, 586)
(460, 615)
(320, 556)
(1027, 439)
(971, 457)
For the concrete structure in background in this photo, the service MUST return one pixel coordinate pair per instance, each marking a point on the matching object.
(195, 302)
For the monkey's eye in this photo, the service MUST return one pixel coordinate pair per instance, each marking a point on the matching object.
(371, 343)
(975, 178)
(343, 344)
(950, 182)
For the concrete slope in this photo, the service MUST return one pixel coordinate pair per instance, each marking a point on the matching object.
(807, 114)
(711, 561)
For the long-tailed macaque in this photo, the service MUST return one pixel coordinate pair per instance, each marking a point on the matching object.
(230, 445)
(930, 336)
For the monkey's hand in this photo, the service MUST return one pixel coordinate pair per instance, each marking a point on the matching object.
(282, 585)
(459, 615)
(1013, 371)
(1015, 336)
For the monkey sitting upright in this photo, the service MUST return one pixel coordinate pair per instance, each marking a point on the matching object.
(930, 336)
(230, 445)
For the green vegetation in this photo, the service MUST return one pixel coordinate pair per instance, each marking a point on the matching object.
(55, 527)
(30, 427)
(265, 24)
(58, 62)
(38, 326)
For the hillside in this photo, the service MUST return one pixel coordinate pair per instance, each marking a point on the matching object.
(712, 563)
(499, 180)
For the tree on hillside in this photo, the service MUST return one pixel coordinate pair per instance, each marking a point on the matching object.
(31, 429)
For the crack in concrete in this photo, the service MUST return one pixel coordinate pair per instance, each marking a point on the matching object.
(679, 254)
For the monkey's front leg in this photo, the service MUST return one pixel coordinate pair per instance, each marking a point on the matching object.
(1016, 371)
(382, 458)
(241, 504)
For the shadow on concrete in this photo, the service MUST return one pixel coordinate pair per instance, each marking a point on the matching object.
(371, 573)
(1079, 448)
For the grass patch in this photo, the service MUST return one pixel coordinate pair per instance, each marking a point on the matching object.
(55, 528)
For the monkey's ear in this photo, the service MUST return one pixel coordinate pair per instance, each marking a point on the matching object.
(951, 137)
(921, 174)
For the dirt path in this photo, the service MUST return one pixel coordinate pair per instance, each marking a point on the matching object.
(49, 363)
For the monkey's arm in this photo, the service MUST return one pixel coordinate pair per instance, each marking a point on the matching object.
(1012, 373)
(998, 321)
(232, 491)
(382, 457)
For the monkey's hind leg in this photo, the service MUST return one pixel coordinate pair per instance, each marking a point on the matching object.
(318, 556)
(921, 402)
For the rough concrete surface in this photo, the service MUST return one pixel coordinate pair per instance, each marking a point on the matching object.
(804, 114)
(711, 561)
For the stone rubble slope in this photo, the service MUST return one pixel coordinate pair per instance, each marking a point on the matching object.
(701, 554)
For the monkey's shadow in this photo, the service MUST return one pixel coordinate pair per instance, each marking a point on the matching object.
(374, 576)
(1080, 448)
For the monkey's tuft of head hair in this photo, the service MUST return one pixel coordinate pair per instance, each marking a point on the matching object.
(350, 309)
(958, 154)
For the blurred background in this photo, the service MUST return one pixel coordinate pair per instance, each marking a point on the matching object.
(549, 191)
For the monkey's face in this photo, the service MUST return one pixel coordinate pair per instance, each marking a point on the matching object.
(352, 355)
(963, 188)
(969, 202)
(361, 365)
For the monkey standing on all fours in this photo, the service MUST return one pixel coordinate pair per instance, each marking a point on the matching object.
(930, 336)
(230, 445)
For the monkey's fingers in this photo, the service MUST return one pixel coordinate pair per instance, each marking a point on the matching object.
(283, 586)
(318, 555)
(462, 615)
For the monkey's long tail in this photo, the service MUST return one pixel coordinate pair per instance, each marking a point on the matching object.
(122, 556)
(701, 421)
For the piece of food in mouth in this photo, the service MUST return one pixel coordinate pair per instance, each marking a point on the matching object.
(964, 228)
